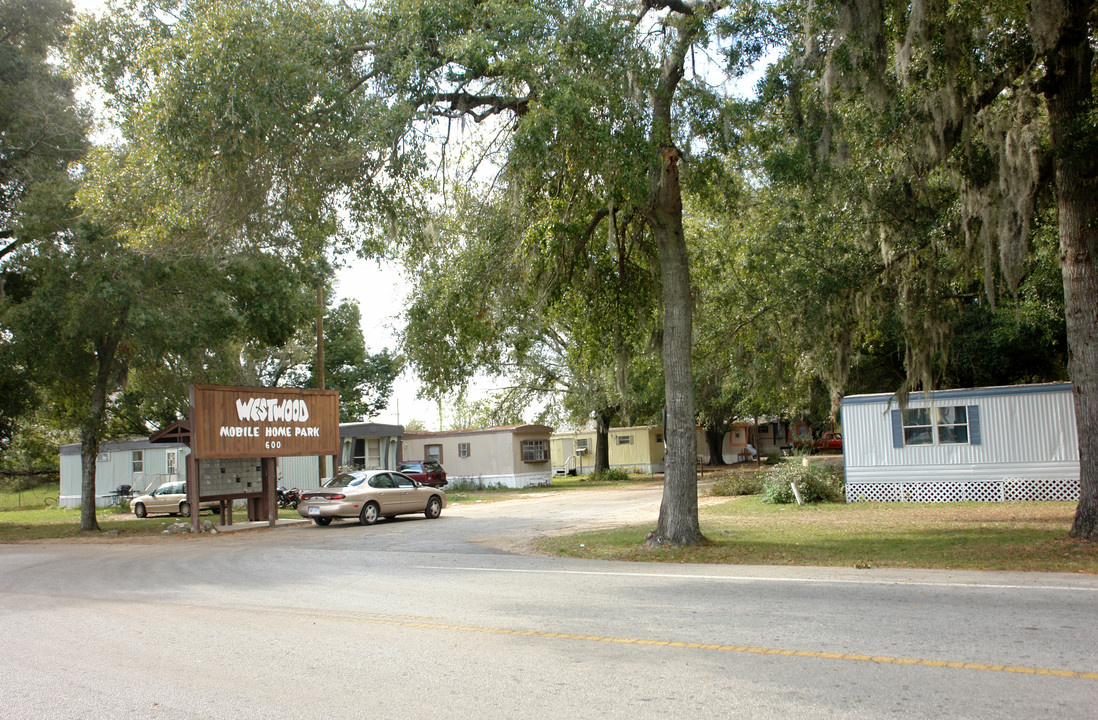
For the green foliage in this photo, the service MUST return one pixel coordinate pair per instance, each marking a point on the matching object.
(364, 380)
(613, 474)
(36, 443)
(41, 128)
(738, 483)
(815, 482)
(16, 392)
(237, 126)
(496, 410)
(273, 296)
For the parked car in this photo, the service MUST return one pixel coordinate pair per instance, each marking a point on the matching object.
(170, 498)
(369, 495)
(828, 442)
(426, 472)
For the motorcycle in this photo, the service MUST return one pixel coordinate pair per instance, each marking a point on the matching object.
(288, 498)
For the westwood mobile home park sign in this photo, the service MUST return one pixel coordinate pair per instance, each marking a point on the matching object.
(258, 422)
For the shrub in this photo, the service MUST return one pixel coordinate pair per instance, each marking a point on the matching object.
(473, 485)
(609, 475)
(738, 483)
(816, 483)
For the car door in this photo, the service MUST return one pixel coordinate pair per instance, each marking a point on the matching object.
(410, 497)
(164, 498)
(383, 490)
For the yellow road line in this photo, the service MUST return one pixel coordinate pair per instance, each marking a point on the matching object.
(851, 657)
(430, 624)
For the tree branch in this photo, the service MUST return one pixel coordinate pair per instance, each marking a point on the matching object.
(463, 103)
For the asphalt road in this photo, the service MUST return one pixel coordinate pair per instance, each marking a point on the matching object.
(438, 619)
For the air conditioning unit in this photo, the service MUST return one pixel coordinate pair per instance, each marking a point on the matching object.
(581, 448)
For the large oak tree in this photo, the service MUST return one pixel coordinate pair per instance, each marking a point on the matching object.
(949, 121)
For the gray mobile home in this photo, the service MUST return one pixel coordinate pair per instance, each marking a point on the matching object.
(987, 444)
(141, 464)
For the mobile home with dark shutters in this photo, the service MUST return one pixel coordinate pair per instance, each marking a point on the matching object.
(986, 444)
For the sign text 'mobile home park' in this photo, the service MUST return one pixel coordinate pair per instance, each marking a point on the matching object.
(257, 422)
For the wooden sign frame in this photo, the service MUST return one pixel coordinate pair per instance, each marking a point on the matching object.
(259, 422)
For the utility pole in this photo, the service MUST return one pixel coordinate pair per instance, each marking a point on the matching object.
(322, 463)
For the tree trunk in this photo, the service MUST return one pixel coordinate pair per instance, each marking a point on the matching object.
(90, 435)
(109, 376)
(602, 438)
(714, 436)
(89, 453)
(678, 521)
(1069, 95)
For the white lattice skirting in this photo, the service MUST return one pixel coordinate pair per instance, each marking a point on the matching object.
(961, 491)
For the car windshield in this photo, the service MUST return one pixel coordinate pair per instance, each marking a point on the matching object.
(343, 480)
(410, 466)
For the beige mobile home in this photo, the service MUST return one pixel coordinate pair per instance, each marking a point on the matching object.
(515, 456)
(733, 445)
(638, 448)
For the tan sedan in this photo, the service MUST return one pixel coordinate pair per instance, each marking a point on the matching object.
(169, 498)
(369, 495)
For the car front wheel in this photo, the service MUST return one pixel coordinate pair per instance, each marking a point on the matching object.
(369, 514)
(139, 510)
(434, 508)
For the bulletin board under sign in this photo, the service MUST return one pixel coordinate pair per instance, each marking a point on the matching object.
(258, 422)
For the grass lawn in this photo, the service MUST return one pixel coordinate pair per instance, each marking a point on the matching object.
(971, 536)
(741, 530)
(53, 522)
(560, 484)
(36, 496)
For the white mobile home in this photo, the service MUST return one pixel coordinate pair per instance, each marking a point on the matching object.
(987, 444)
(515, 456)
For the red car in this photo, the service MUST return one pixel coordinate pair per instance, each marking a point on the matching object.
(425, 472)
(829, 442)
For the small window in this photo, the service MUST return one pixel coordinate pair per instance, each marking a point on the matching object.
(625, 439)
(535, 451)
(581, 446)
(952, 425)
(917, 427)
(463, 450)
(943, 426)
(659, 437)
(138, 461)
(433, 452)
